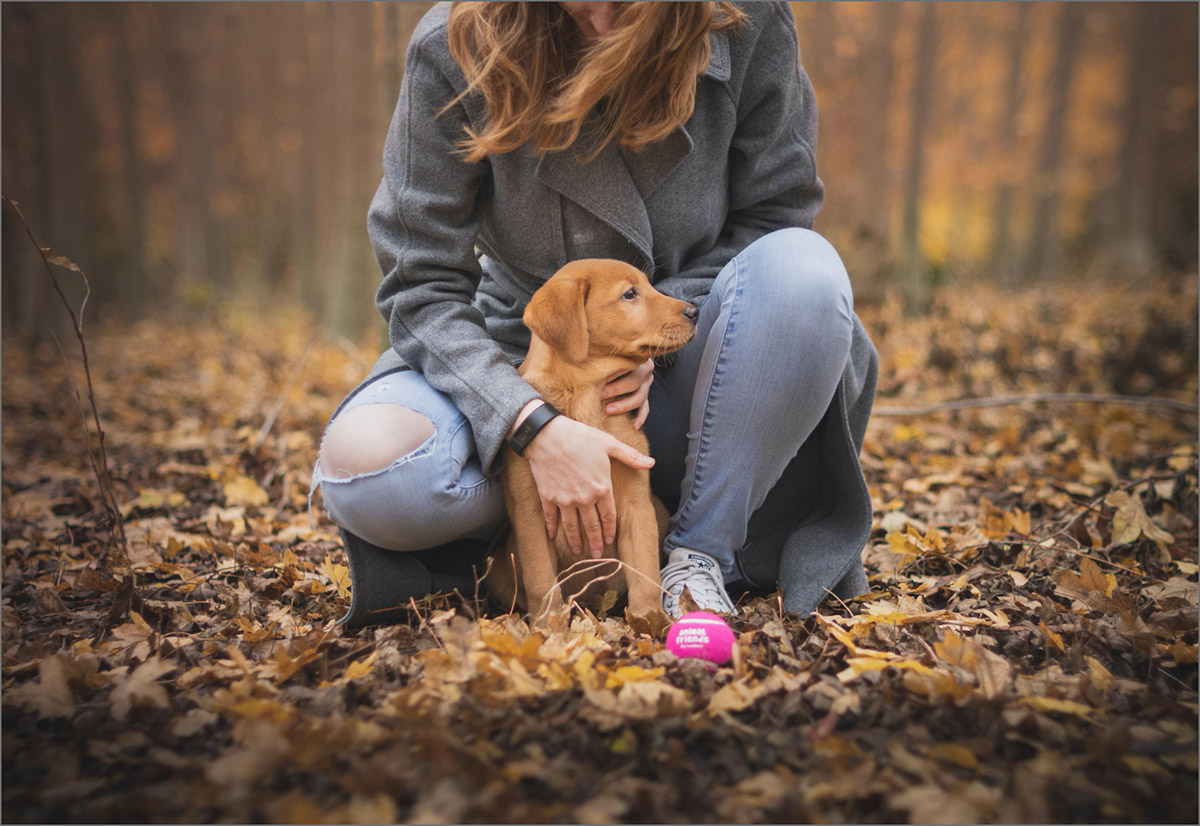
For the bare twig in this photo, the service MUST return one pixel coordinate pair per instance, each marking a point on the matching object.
(839, 599)
(423, 624)
(98, 459)
(1023, 398)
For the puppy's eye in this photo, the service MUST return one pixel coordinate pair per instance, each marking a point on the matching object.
(630, 294)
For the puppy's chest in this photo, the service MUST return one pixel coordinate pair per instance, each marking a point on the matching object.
(591, 413)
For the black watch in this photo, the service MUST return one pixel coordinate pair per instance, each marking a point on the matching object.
(531, 427)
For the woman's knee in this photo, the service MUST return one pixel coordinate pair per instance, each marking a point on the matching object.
(371, 437)
(797, 271)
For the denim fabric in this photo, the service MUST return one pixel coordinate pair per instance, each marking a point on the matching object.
(434, 495)
(726, 417)
(771, 346)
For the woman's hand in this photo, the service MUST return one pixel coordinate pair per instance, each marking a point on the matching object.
(630, 391)
(573, 472)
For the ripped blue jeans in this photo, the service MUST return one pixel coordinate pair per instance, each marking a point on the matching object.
(726, 416)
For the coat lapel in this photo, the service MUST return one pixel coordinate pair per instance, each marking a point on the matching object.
(614, 185)
(603, 187)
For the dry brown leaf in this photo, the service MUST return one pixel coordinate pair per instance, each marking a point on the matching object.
(141, 688)
(50, 696)
(1131, 521)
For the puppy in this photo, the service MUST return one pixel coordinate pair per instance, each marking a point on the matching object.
(594, 318)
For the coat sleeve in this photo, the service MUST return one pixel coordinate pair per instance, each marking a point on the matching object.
(773, 181)
(423, 222)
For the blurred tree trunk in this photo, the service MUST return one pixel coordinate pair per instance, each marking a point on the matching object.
(219, 107)
(1045, 248)
(321, 161)
(181, 32)
(69, 129)
(877, 217)
(131, 280)
(346, 83)
(1142, 120)
(26, 290)
(1002, 253)
(915, 280)
(367, 124)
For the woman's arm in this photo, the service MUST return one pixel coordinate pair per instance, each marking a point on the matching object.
(423, 223)
(773, 180)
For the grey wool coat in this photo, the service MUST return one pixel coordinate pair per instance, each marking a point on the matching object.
(462, 247)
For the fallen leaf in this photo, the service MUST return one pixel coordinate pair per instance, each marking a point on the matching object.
(339, 576)
(242, 490)
(50, 696)
(1131, 521)
(141, 688)
(1039, 703)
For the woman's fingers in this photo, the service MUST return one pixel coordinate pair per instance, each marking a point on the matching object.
(570, 526)
(571, 466)
(550, 514)
(642, 415)
(594, 531)
(606, 508)
(627, 455)
(629, 391)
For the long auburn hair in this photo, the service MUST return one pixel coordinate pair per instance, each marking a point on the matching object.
(540, 76)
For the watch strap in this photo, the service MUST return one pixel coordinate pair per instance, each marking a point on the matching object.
(533, 424)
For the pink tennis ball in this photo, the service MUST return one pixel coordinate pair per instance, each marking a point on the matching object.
(701, 634)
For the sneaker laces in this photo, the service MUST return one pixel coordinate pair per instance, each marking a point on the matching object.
(700, 574)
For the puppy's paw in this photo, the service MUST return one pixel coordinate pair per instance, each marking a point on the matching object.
(654, 622)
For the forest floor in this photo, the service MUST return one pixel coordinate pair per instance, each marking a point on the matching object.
(1027, 651)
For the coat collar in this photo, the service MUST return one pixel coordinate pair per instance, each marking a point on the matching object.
(614, 185)
(718, 60)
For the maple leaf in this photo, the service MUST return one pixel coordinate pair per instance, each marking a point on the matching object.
(1131, 520)
(339, 576)
(735, 696)
(360, 668)
(50, 696)
(993, 674)
(284, 665)
(135, 636)
(1092, 586)
(632, 674)
(141, 688)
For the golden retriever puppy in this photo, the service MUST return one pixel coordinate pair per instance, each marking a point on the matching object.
(593, 319)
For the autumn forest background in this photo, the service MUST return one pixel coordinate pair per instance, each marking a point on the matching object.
(195, 156)
(1013, 187)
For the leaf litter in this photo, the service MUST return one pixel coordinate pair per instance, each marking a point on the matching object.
(1027, 651)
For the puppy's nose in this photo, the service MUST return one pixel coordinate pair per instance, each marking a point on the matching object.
(692, 312)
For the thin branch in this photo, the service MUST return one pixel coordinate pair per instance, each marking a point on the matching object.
(108, 495)
(1023, 398)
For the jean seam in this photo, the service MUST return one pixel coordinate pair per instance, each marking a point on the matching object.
(711, 395)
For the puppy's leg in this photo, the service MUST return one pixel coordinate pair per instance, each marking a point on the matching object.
(662, 518)
(637, 547)
(543, 595)
(538, 562)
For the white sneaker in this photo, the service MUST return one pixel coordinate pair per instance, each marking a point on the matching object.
(702, 576)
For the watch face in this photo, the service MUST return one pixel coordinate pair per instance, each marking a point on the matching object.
(529, 428)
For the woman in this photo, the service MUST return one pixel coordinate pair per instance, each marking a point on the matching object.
(679, 137)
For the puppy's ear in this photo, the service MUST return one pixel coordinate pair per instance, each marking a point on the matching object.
(556, 315)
